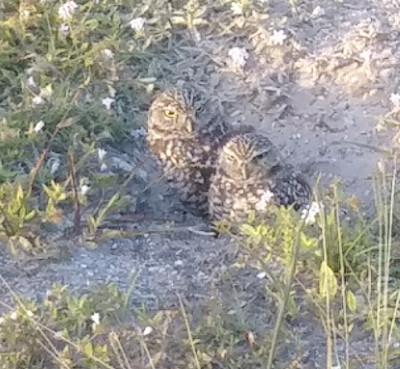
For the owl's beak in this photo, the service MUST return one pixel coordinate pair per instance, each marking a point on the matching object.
(245, 173)
(189, 126)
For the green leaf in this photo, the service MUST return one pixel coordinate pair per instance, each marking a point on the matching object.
(6, 174)
(88, 349)
(351, 301)
(20, 194)
(30, 215)
(247, 230)
(327, 281)
(308, 243)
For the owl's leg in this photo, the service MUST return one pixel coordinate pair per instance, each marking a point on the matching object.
(179, 211)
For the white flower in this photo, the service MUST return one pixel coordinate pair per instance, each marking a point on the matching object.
(58, 335)
(137, 24)
(85, 189)
(395, 99)
(25, 14)
(318, 12)
(381, 166)
(103, 167)
(261, 275)
(29, 314)
(278, 37)
(265, 199)
(64, 29)
(14, 315)
(236, 9)
(239, 56)
(101, 153)
(37, 100)
(54, 165)
(366, 55)
(107, 102)
(95, 318)
(310, 213)
(67, 10)
(39, 126)
(108, 53)
(31, 82)
(147, 331)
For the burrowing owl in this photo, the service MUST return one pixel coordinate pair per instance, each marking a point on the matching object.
(250, 175)
(185, 149)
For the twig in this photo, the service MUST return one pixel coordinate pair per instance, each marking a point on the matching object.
(371, 147)
(77, 206)
(63, 124)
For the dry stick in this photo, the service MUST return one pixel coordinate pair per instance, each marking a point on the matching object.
(342, 276)
(189, 332)
(41, 160)
(63, 124)
(119, 350)
(77, 206)
(78, 166)
(371, 147)
(329, 318)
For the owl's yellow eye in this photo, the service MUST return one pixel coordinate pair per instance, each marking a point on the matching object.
(170, 113)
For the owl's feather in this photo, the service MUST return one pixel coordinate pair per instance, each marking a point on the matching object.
(185, 147)
(250, 176)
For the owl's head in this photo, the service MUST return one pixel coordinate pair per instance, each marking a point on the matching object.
(248, 156)
(172, 114)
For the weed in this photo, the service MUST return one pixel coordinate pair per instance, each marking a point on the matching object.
(74, 79)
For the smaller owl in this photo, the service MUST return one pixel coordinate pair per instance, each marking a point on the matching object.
(251, 175)
(185, 150)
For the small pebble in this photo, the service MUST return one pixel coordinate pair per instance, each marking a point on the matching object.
(318, 12)
(261, 275)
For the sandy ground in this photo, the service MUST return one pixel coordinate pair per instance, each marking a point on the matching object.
(316, 96)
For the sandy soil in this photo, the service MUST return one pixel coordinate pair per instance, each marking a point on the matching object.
(316, 96)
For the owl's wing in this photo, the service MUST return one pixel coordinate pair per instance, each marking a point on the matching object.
(289, 186)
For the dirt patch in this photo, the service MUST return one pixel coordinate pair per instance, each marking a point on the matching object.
(317, 95)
